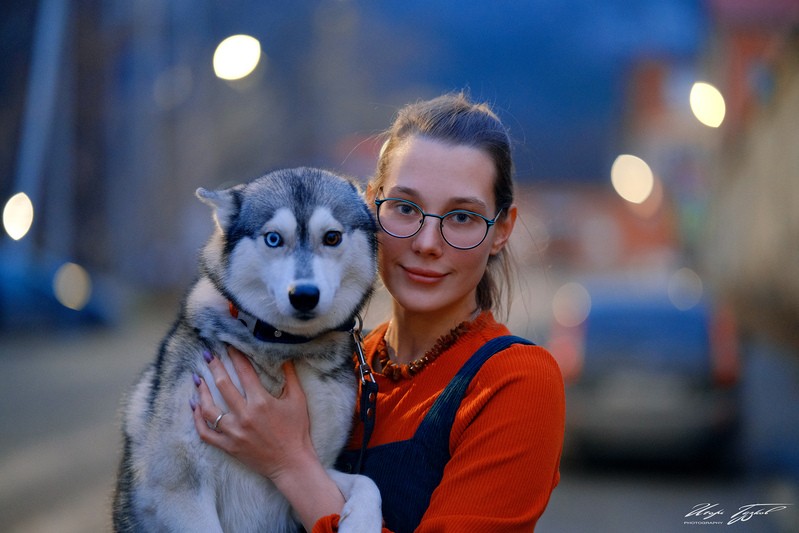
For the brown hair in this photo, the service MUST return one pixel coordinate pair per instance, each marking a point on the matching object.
(453, 118)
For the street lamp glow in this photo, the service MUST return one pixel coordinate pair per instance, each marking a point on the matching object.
(236, 57)
(707, 104)
(18, 216)
(632, 178)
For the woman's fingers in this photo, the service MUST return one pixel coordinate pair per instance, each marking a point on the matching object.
(292, 381)
(247, 375)
(205, 412)
(263, 432)
(224, 384)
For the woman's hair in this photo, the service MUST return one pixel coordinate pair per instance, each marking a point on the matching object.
(453, 118)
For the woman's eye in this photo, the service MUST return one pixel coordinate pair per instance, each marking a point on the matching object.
(273, 239)
(462, 217)
(405, 209)
(332, 238)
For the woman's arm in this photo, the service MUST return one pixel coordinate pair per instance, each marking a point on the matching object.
(269, 435)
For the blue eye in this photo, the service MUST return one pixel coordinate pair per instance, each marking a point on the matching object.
(273, 239)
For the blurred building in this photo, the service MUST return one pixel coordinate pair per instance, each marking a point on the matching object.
(752, 246)
(115, 117)
(734, 189)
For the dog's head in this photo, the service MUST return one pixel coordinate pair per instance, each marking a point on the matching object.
(295, 248)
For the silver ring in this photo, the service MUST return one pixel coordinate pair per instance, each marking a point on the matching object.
(216, 422)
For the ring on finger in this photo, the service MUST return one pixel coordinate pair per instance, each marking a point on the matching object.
(215, 425)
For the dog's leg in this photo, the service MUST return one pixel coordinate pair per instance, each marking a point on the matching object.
(362, 510)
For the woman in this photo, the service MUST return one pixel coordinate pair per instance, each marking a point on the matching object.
(443, 196)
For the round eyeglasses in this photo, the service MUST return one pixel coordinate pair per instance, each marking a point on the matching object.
(460, 228)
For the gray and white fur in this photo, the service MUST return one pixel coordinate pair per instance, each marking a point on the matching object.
(296, 250)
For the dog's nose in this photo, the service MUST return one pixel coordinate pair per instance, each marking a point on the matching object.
(304, 297)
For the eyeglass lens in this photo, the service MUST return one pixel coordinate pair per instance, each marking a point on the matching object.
(461, 229)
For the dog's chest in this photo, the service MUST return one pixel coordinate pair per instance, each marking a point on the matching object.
(331, 403)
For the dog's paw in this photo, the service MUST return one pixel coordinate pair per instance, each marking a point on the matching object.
(362, 509)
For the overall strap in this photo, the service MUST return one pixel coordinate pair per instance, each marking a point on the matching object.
(437, 425)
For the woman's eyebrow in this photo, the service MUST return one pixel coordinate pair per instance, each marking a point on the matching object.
(469, 200)
(399, 189)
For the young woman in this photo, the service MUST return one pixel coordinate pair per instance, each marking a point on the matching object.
(477, 453)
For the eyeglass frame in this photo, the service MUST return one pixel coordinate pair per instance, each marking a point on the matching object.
(489, 221)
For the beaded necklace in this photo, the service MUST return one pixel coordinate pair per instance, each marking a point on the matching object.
(395, 372)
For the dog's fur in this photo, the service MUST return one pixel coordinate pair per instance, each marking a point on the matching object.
(295, 249)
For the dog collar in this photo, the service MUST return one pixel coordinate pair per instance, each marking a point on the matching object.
(266, 332)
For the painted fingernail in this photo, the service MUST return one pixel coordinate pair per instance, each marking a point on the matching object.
(192, 404)
(207, 356)
(196, 379)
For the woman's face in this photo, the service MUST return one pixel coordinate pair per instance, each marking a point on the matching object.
(423, 273)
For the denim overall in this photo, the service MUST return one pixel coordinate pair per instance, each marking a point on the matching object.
(407, 472)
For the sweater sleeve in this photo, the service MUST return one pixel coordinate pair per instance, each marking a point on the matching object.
(329, 524)
(505, 447)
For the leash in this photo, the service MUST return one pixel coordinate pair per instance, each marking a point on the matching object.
(368, 399)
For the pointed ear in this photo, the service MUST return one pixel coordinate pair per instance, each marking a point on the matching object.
(225, 204)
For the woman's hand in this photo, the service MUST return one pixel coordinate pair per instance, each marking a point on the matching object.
(269, 435)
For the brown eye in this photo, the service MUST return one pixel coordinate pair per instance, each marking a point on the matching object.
(332, 238)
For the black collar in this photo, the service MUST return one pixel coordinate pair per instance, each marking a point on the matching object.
(266, 332)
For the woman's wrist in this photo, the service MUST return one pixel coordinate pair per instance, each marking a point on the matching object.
(309, 489)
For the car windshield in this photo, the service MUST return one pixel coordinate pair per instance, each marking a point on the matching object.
(647, 334)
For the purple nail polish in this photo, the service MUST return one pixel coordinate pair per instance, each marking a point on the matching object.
(196, 379)
(192, 404)
(207, 356)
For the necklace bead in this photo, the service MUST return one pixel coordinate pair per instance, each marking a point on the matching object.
(396, 372)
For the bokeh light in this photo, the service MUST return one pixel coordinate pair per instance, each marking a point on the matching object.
(632, 178)
(18, 216)
(651, 206)
(707, 104)
(571, 304)
(236, 57)
(72, 286)
(685, 289)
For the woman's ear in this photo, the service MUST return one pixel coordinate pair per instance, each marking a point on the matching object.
(503, 229)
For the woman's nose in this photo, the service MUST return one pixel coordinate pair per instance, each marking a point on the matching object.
(429, 238)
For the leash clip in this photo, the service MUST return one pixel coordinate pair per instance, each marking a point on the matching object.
(364, 369)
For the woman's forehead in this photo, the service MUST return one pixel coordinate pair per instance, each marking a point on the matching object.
(428, 168)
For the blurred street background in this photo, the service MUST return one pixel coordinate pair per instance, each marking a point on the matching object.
(657, 156)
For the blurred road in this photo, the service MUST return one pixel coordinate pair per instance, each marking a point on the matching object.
(60, 392)
(59, 445)
(622, 499)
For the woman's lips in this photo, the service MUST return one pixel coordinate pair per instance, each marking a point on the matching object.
(421, 275)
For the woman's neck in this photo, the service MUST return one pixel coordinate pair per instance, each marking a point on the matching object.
(410, 335)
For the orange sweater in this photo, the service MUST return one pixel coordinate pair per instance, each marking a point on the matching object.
(506, 441)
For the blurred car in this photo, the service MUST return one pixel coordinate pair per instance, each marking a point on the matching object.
(648, 376)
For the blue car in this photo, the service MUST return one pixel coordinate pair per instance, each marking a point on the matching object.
(648, 377)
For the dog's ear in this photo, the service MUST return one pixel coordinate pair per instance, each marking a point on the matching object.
(224, 202)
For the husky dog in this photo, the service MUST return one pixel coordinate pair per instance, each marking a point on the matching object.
(290, 264)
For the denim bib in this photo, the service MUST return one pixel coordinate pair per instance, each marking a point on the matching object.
(407, 472)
